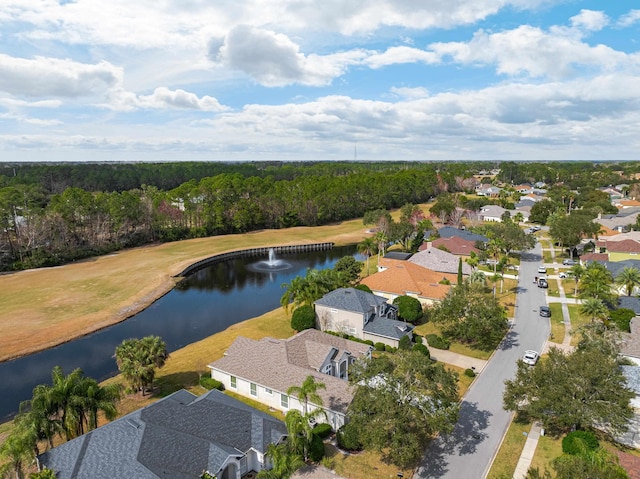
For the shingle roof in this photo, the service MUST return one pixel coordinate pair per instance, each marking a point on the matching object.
(615, 267)
(405, 277)
(178, 436)
(631, 343)
(278, 364)
(438, 260)
(388, 328)
(351, 299)
(624, 246)
(493, 211)
(448, 231)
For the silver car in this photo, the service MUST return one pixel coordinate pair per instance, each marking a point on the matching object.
(530, 357)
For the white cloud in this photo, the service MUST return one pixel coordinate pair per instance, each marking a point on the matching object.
(273, 59)
(589, 20)
(162, 98)
(410, 93)
(40, 77)
(630, 18)
(531, 51)
(402, 54)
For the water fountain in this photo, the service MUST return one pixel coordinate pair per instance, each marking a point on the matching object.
(271, 264)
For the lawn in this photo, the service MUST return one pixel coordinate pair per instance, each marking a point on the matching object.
(431, 328)
(557, 323)
(577, 320)
(45, 307)
(362, 465)
(506, 460)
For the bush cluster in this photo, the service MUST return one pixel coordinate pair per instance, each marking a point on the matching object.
(303, 318)
(316, 449)
(437, 341)
(348, 438)
(323, 430)
(421, 348)
(207, 382)
(470, 373)
(578, 442)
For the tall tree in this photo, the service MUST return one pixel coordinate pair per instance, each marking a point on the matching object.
(401, 402)
(596, 282)
(307, 391)
(283, 462)
(595, 309)
(138, 359)
(629, 277)
(367, 247)
(576, 271)
(580, 390)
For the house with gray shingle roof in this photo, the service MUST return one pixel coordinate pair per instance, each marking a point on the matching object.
(263, 370)
(361, 314)
(436, 259)
(179, 436)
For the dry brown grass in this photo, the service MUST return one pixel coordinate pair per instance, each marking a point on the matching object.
(45, 307)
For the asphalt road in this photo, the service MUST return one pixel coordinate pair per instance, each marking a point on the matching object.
(467, 453)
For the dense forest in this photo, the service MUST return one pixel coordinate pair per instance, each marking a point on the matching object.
(55, 213)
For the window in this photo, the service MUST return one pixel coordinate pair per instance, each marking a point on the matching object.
(268, 391)
(234, 382)
(254, 389)
(284, 401)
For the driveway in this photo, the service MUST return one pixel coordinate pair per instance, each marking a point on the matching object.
(468, 452)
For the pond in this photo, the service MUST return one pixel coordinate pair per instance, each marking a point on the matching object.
(205, 303)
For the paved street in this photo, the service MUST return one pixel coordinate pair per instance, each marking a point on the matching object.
(467, 452)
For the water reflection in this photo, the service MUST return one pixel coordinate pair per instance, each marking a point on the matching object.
(203, 304)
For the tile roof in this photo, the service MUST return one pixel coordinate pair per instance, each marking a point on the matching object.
(438, 260)
(405, 277)
(456, 245)
(594, 257)
(281, 363)
(178, 436)
(624, 246)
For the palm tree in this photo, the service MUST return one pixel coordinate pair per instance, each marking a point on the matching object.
(65, 400)
(629, 277)
(594, 308)
(101, 398)
(494, 248)
(17, 449)
(307, 392)
(576, 271)
(284, 463)
(381, 239)
(596, 283)
(138, 360)
(367, 247)
(300, 430)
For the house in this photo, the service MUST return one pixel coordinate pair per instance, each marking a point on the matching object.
(263, 370)
(489, 191)
(179, 436)
(622, 250)
(449, 231)
(361, 314)
(438, 260)
(630, 350)
(456, 245)
(492, 213)
(409, 279)
(523, 189)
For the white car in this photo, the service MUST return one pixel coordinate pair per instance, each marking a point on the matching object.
(542, 269)
(530, 357)
(563, 275)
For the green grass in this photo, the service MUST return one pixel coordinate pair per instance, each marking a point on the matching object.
(431, 328)
(548, 449)
(504, 464)
(557, 323)
(577, 320)
(546, 256)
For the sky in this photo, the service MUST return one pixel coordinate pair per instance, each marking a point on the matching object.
(296, 80)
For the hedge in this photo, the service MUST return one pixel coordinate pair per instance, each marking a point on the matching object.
(437, 342)
(323, 430)
(207, 382)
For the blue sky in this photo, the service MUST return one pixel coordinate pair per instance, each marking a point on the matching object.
(538, 80)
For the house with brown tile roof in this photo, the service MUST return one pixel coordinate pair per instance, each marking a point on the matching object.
(456, 245)
(264, 369)
(409, 279)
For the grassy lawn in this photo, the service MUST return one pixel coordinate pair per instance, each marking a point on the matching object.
(557, 323)
(506, 460)
(577, 320)
(45, 307)
(546, 256)
(569, 286)
(362, 465)
(548, 449)
(431, 328)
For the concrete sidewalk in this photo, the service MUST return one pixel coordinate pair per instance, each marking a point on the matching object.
(456, 359)
(528, 451)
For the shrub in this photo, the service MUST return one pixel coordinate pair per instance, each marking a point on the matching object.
(207, 382)
(404, 343)
(437, 342)
(323, 430)
(417, 339)
(409, 308)
(422, 349)
(303, 318)
(390, 349)
(578, 442)
(316, 448)
(348, 438)
(622, 318)
(470, 373)
(369, 342)
(379, 346)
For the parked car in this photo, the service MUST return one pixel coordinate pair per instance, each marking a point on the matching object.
(545, 311)
(542, 269)
(542, 283)
(563, 275)
(569, 262)
(530, 357)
